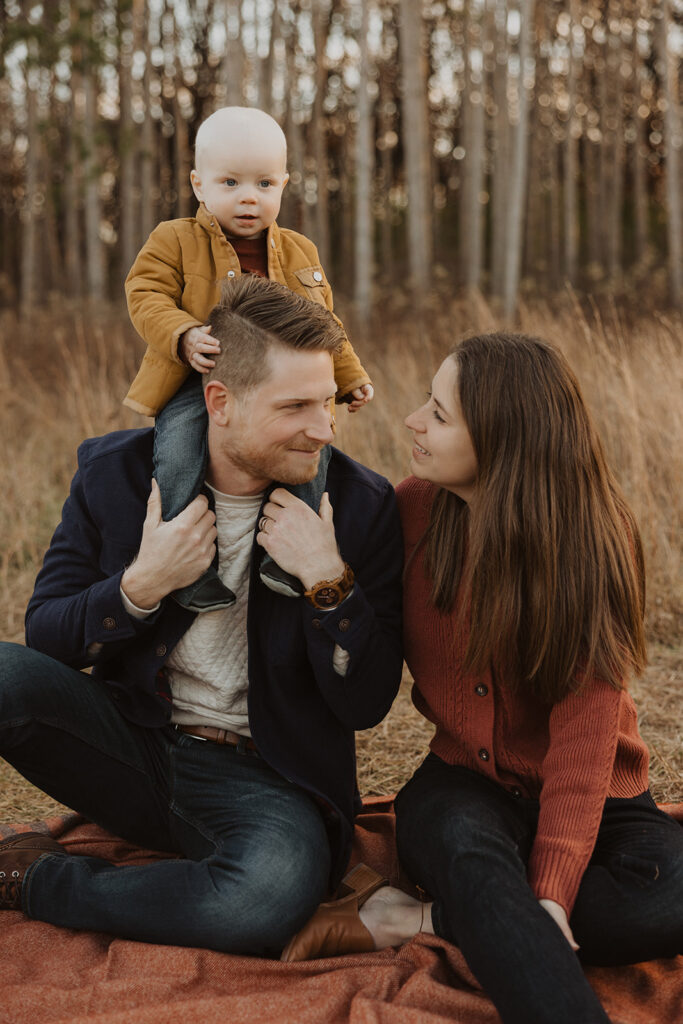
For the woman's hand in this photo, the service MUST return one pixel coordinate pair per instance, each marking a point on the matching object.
(559, 916)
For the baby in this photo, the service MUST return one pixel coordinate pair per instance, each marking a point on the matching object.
(239, 176)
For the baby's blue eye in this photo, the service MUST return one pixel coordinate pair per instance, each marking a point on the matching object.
(230, 182)
(265, 183)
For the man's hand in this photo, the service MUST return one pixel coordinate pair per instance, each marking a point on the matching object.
(559, 916)
(194, 343)
(300, 541)
(172, 554)
(361, 396)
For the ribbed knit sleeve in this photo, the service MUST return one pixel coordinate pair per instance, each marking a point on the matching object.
(577, 772)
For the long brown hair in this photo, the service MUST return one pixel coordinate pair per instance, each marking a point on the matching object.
(547, 550)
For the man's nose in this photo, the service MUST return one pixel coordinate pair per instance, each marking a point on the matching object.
(320, 427)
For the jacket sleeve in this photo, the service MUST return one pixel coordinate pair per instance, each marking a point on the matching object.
(349, 373)
(367, 625)
(76, 613)
(577, 770)
(154, 291)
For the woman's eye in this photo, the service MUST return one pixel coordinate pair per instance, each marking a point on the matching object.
(437, 417)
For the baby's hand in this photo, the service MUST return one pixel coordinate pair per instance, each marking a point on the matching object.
(361, 396)
(193, 343)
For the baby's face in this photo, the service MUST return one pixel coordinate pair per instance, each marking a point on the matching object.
(241, 183)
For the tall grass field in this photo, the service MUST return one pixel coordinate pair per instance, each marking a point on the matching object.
(64, 372)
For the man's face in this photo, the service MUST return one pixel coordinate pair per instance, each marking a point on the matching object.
(277, 430)
(241, 182)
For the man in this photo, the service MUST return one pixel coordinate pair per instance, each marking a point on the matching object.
(225, 737)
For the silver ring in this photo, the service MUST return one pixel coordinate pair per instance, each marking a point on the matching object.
(262, 523)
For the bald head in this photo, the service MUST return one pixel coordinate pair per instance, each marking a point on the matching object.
(244, 126)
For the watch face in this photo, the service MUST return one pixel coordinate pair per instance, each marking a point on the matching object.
(327, 596)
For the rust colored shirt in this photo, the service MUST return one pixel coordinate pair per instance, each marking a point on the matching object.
(570, 756)
(252, 254)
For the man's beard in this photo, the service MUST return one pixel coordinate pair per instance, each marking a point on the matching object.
(274, 463)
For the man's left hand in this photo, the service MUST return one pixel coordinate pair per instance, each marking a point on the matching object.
(301, 542)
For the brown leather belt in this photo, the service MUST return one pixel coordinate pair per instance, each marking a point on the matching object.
(223, 736)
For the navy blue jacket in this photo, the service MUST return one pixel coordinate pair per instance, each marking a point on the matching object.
(302, 714)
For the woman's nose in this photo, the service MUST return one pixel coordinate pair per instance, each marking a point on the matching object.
(413, 421)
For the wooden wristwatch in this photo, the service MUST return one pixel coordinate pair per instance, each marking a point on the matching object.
(329, 593)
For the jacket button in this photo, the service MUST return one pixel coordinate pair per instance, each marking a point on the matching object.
(317, 624)
(231, 273)
(317, 276)
(109, 623)
(481, 689)
(161, 650)
(344, 625)
(484, 754)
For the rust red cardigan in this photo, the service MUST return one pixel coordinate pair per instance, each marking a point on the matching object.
(570, 756)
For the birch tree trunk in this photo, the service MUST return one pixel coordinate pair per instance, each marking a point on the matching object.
(364, 233)
(638, 163)
(29, 283)
(501, 157)
(148, 217)
(91, 172)
(570, 206)
(518, 170)
(471, 225)
(672, 142)
(319, 130)
(416, 144)
(615, 148)
(127, 220)
(232, 68)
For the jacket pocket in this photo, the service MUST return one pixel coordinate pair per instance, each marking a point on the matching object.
(313, 281)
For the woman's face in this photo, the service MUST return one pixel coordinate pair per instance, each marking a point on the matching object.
(443, 452)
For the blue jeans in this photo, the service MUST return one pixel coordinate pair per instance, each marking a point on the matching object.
(466, 841)
(181, 453)
(256, 854)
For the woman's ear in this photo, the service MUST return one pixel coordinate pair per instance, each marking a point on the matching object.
(219, 402)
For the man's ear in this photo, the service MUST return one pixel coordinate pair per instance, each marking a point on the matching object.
(196, 183)
(220, 403)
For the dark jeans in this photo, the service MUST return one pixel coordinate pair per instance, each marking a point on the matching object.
(466, 841)
(256, 849)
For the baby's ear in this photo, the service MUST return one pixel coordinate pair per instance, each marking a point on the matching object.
(196, 183)
(285, 179)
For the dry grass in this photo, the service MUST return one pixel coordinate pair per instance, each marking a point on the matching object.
(63, 375)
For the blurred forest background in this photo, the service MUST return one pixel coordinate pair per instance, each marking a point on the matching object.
(462, 165)
(493, 144)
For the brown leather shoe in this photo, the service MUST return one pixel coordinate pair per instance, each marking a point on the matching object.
(16, 855)
(336, 928)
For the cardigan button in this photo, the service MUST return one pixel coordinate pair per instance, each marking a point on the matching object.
(343, 625)
(484, 754)
(481, 689)
(109, 623)
(160, 651)
(516, 791)
(317, 624)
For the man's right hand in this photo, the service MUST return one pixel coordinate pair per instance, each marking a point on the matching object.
(172, 554)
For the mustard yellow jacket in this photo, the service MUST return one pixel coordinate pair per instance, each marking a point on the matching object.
(175, 283)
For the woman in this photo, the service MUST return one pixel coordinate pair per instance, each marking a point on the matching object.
(530, 822)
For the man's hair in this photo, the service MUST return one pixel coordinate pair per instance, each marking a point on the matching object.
(253, 315)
